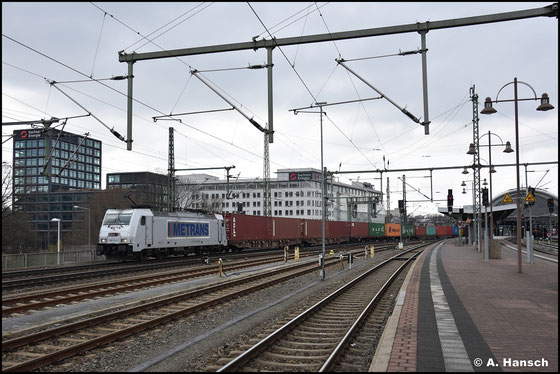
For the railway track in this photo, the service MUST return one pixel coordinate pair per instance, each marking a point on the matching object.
(45, 347)
(36, 300)
(333, 334)
(35, 278)
(29, 301)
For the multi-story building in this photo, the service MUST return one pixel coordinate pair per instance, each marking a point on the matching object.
(145, 188)
(294, 193)
(53, 171)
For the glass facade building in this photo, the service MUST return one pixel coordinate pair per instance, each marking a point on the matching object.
(53, 170)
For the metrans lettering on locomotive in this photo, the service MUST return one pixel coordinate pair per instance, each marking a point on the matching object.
(177, 229)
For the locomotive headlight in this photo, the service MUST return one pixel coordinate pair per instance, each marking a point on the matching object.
(103, 240)
(124, 240)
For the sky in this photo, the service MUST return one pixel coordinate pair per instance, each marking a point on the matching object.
(67, 42)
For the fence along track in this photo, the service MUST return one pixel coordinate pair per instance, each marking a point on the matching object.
(317, 338)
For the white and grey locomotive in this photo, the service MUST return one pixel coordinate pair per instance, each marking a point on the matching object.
(139, 233)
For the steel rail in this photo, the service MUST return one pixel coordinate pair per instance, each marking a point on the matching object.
(337, 352)
(260, 346)
(66, 352)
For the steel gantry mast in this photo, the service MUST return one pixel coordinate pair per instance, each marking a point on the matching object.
(476, 172)
(171, 173)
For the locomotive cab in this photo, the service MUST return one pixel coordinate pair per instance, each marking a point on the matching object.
(124, 232)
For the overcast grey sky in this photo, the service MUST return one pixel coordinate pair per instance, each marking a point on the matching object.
(86, 37)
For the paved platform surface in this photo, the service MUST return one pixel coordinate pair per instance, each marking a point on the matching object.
(457, 313)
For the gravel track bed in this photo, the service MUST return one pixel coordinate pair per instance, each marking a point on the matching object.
(201, 339)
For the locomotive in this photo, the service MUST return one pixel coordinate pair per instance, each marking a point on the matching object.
(141, 233)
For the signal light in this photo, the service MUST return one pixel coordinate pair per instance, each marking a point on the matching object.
(550, 203)
(450, 200)
(401, 206)
(485, 196)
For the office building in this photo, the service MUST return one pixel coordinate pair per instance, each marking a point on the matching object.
(53, 170)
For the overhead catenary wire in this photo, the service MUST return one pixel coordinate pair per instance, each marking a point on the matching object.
(173, 20)
(96, 80)
(194, 128)
(305, 85)
(112, 130)
(328, 30)
(98, 42)
(283, 54)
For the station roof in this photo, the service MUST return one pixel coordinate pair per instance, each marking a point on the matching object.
(502, 209)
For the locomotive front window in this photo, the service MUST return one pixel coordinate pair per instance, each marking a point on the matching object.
(117, 219)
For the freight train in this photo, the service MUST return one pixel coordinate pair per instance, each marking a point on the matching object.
(142, 233)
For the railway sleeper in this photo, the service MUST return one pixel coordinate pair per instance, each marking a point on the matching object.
(279, 366)
(289, 358)
(298, 351)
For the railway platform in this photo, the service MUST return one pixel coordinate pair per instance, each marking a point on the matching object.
(456, 312)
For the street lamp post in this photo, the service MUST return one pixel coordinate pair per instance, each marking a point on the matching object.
(324, 197)
(544, 106)
(323, 185)
(529, 234)
(492, 170)
(471, 238)
(89, 224)
(57, 241)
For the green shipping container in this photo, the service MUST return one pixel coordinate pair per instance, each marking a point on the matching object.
(430, 231)
(376, 229)
(409, 230)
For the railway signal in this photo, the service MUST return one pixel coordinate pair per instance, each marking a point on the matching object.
(450, 200)
(485, 196)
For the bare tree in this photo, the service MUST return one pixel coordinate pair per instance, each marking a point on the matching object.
(98, 204)
(6, 186)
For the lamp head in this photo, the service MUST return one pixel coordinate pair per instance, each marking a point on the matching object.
(545, 103)
(508, 147)
(492, 170)
(463, 184)
(472, 150)
(488, 107)
(465, 171)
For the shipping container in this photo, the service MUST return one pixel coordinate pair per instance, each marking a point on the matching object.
(377, 229)
(359, 230)
(312, 230)
(258, 231)
(430, 231)
(241, 227)
(420, 231)
(455, 231)
(392, 229)
(337, 231)
(409, 230)
(441, 231)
